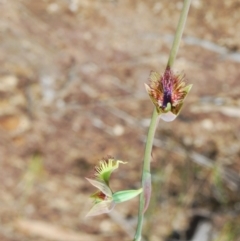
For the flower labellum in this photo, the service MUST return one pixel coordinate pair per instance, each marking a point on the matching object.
(105, 168)
(167, 93)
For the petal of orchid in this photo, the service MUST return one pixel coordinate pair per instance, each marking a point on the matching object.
(101, 207)
(101, 186)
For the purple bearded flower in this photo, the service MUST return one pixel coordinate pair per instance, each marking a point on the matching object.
(167, 93)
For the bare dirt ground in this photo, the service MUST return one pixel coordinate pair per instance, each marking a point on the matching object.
(72, 91)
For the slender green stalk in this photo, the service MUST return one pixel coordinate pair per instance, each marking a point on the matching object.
(179, 32)
(146, 172)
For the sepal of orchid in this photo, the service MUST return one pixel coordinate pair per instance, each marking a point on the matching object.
(167, 93)
(102, 199)
(101, 207)
(105, 168)
(122, 196)
(102, 186)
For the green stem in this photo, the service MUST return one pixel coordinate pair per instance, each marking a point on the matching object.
(146, 172)
(179, 32)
